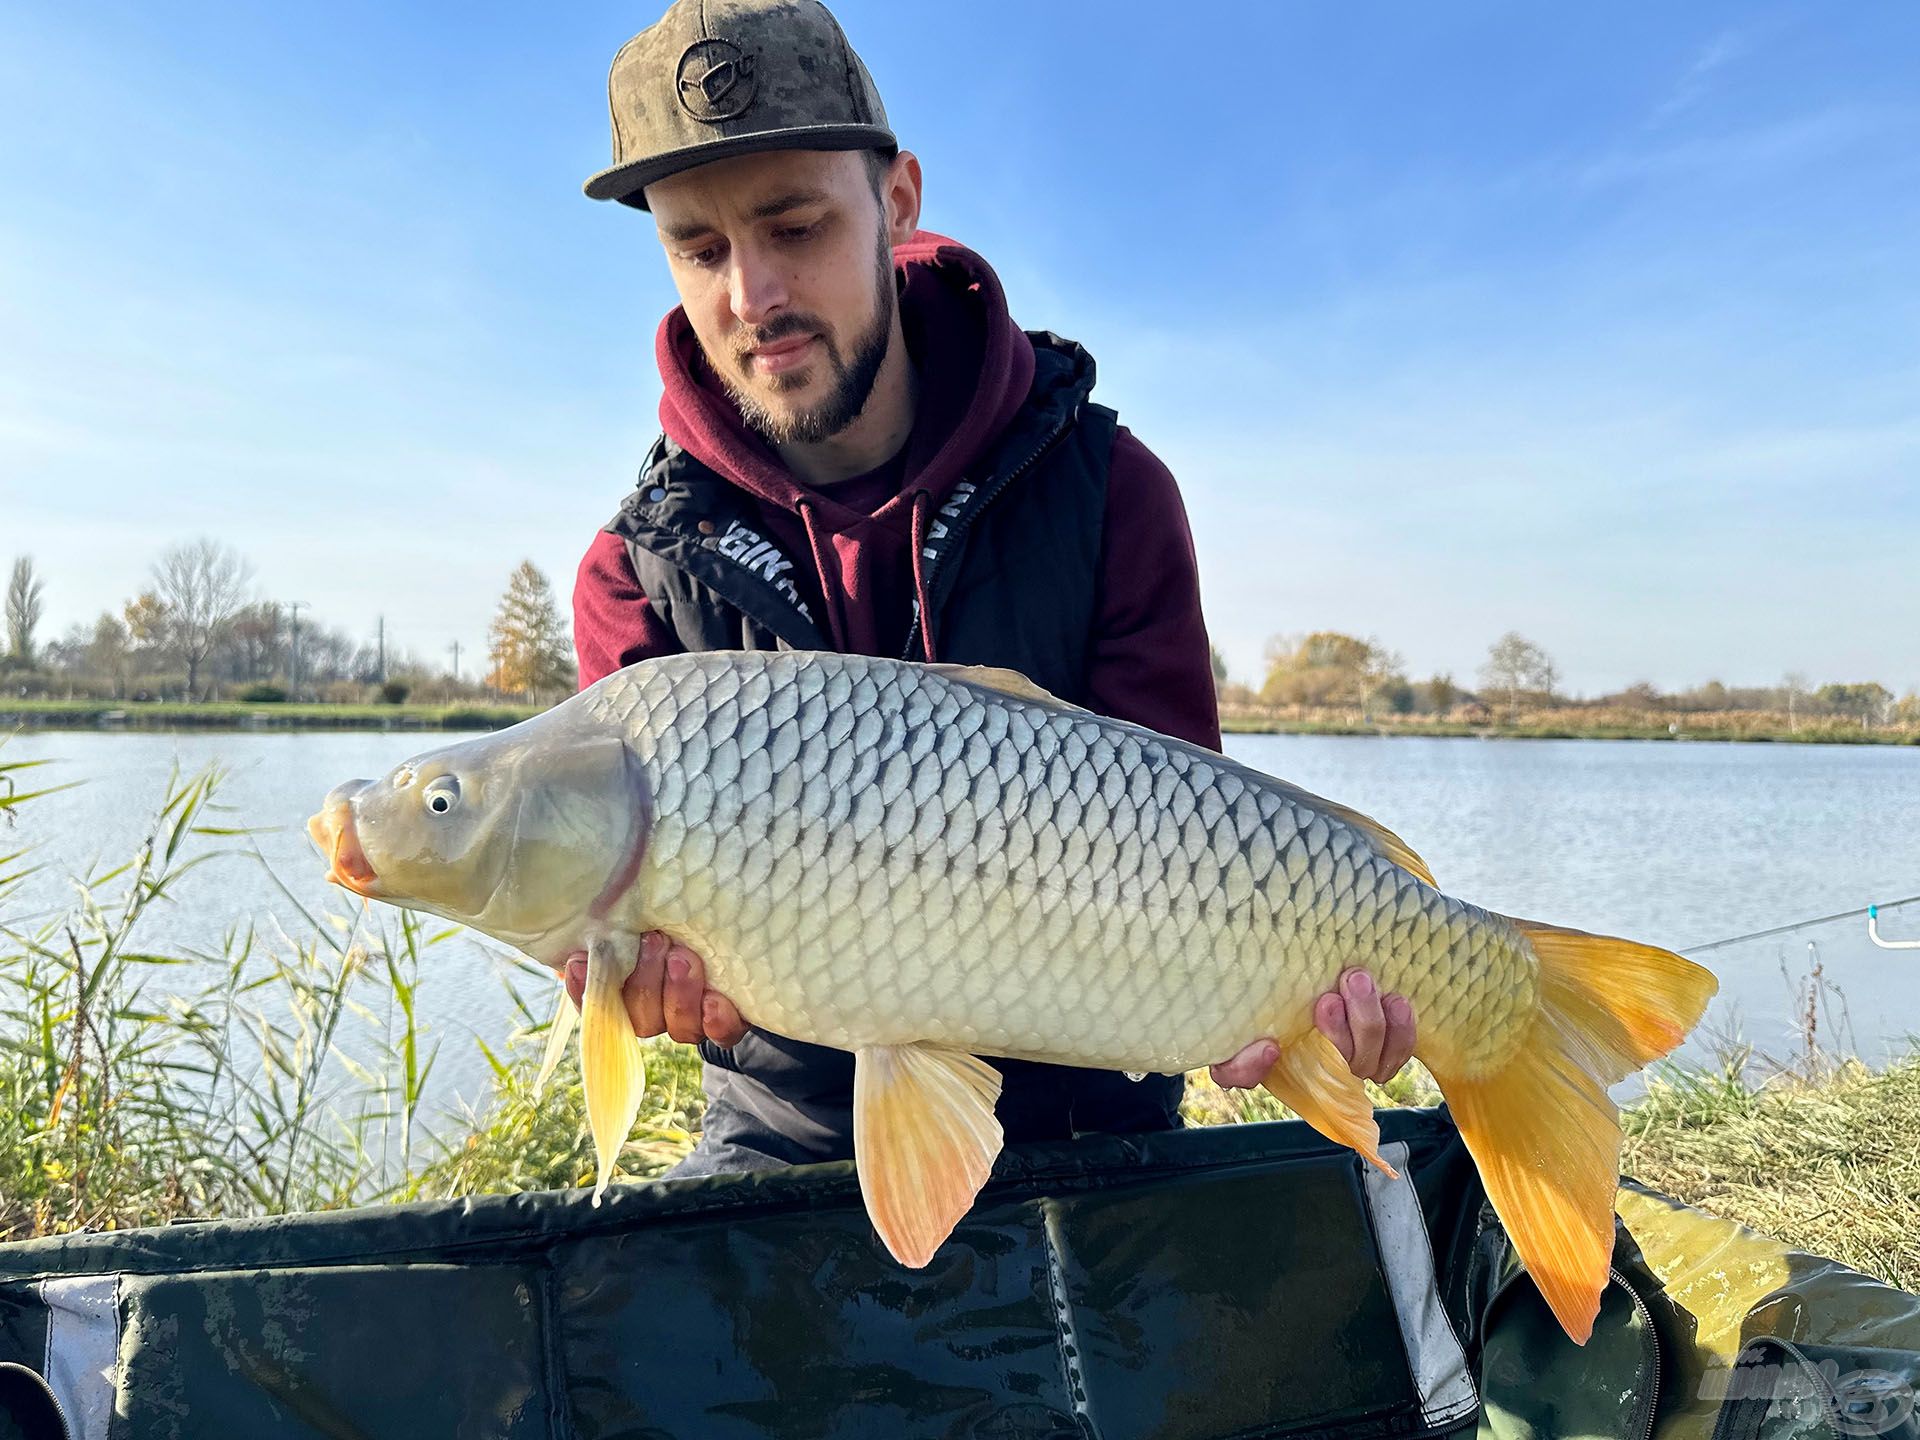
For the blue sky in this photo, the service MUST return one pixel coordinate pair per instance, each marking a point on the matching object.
(1603, 325)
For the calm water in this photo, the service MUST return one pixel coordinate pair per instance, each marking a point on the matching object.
(1677, 844)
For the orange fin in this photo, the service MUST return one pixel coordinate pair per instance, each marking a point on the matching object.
(1542, 1129)
(613, 1068)
(1007, 682)
(924, 1139)
(1312, 1080)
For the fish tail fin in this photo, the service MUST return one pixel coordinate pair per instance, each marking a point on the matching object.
(1541, 1127)
(613, 1068)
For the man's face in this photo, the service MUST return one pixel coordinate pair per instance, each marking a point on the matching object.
(784, 265)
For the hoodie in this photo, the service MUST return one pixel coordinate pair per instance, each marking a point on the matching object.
(1149, 660)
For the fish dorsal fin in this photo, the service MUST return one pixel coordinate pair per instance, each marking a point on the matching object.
(1383, 840)
(924, 1141)
(1007, 682)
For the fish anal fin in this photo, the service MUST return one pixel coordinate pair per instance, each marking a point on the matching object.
(613, 1068)
(1007, 682)
(924, 1140)
(1540, 1124)
(1312, 1080)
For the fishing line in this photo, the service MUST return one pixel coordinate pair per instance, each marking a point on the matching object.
(1798, 925)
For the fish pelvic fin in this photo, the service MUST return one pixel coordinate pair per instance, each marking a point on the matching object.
(613, 1068)
(1541, 1127)
(1313, 1080)
(559, 1031)
(924, 1140)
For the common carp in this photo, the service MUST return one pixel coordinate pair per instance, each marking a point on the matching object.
(927, 864)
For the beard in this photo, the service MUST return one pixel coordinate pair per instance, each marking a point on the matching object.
(850, 377)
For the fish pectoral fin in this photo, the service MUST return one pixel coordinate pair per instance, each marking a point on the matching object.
(1313, 1080)
(1007, 682)
(559, 1031)
(612, 1068)
(924, 1140)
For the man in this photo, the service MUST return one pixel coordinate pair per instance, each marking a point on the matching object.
(863, 453)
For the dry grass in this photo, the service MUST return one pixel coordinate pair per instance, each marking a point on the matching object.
(1828, 1161)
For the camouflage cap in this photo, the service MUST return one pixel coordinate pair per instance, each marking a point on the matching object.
(716, 78)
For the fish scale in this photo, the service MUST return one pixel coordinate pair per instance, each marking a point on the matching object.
(982, 827)
(926, 864)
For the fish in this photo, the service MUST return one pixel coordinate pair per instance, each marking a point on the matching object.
(932, 865)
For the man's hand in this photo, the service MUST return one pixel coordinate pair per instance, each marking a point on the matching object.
(667, 994)
(1374, 1036)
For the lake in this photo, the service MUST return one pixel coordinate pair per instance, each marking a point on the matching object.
(1678, 844)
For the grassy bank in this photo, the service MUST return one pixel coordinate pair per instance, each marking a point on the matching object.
(237, 715)
(236, 1094)
(1254, 722)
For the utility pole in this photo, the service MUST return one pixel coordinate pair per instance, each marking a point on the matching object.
(383, 649)
(456, 661)
(293, 664)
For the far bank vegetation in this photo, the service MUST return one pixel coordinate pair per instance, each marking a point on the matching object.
(1331, 682)
(200, 631)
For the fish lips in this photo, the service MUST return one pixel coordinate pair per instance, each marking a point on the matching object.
(334, 834)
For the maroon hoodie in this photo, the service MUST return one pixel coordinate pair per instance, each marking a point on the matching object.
(1148, 661)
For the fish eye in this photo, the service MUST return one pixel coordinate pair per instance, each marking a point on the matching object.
(442, 794)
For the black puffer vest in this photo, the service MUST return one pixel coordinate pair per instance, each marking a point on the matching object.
(1011, 567)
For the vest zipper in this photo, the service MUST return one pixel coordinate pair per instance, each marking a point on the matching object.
(981, 500)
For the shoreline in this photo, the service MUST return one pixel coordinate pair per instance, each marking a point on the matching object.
(241, 716)
(1454, 730)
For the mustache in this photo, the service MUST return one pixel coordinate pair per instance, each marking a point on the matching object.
(781, 327)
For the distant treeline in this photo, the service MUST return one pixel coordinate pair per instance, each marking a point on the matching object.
(1330, 673)
(197, 632)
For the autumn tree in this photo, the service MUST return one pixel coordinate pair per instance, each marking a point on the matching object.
(527, 641)
(1327, 668)
(202, 583)
(1515, 663)
(25, 607)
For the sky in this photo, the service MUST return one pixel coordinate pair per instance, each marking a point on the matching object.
(1600, 324)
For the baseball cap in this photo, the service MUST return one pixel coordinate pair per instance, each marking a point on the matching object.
(718, 78)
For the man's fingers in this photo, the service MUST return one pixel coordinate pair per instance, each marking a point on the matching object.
(1248, 1068)
(686, 987)
(1366, 1020)
(1402, 1036)
(575, 977)
(721, 1021)
(642, 990)
(1330, 1018)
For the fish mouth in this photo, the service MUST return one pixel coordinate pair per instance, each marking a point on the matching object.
(333, 831)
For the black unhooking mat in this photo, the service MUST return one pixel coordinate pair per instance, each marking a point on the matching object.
(1249, 1281)
(1252, 1281)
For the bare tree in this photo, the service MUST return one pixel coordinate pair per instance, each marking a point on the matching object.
(1794, 688)
(25, 608)
(1515, 663)
(202, 584)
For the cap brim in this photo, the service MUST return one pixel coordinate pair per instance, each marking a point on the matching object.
(627, 183)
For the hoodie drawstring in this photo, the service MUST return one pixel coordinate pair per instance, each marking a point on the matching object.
(917, 533)
(817, 543)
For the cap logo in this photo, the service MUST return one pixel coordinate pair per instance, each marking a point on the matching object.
(715, 81)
